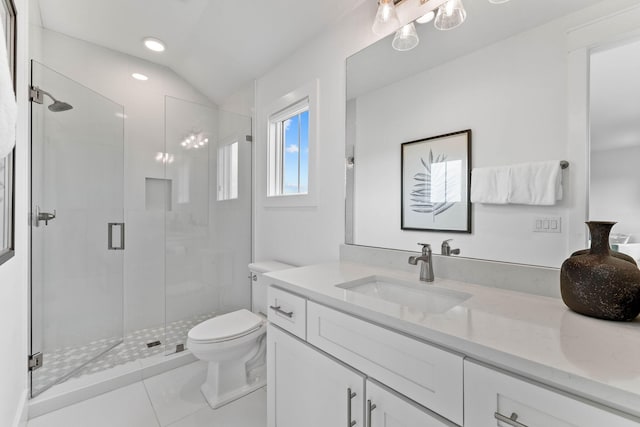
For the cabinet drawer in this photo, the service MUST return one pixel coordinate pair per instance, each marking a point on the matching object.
(426, 374)
(288, 311)
(490, 394)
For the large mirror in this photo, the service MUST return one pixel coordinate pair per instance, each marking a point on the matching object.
(509, 74)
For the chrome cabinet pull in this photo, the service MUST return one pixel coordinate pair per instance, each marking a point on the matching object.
(350, 396)
(278, 309)
(511, 420)
(370, 408)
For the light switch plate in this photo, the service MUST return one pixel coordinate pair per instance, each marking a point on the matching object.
(547, 224)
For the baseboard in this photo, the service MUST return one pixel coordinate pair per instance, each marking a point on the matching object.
(22, 411)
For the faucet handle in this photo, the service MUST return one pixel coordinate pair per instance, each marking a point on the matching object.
(446, 248)
(426, 249)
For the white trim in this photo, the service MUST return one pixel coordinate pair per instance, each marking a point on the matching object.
(602, 32)
(296, 100)
(22, 411)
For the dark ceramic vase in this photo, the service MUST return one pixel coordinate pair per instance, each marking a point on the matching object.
(599, 282)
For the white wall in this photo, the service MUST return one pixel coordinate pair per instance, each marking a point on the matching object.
(311, 234)
(513, 96)
(14, 283)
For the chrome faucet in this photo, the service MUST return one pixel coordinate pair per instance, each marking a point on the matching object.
(426, 268)
(446, 249)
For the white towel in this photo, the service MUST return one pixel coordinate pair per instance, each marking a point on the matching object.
(8, 107)
(538, 183)
(490, 185)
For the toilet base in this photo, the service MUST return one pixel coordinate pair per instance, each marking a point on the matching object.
(216, 400)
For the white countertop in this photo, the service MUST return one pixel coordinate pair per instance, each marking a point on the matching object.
(537, 337)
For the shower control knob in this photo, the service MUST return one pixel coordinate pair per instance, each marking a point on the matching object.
(255, 278)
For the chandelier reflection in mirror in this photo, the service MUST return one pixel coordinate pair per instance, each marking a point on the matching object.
(194, 140)
(449, 15)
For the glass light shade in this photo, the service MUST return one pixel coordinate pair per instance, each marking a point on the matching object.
(427, 17)
(450, 15)
(386, 18)
(406, 38)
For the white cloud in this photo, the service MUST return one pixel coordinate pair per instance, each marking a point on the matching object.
(292, 148)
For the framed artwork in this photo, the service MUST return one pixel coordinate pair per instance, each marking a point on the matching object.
(7, 163)
(435, 181)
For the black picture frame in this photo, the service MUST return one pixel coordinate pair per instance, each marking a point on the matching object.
(7, 252)
(445, 207)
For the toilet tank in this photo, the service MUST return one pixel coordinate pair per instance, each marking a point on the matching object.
(259, 283)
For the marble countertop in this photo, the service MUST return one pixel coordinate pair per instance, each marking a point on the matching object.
(537, 337)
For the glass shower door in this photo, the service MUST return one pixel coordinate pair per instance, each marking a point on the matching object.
(77, 226)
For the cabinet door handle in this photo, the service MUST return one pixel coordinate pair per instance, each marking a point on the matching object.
(278, 309)
(350, 396)
(510, 420)
(370, 408)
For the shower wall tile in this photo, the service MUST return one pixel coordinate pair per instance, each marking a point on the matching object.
(144, 270)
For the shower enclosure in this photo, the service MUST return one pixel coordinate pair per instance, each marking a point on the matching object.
(132, 241)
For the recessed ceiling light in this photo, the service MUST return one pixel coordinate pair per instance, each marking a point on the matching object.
(139, 76)
(154, 44)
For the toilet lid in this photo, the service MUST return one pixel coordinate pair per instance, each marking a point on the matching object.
(226, 326)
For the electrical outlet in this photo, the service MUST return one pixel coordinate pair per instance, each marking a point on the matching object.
(547, 224)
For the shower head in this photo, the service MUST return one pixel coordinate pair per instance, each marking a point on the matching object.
(57, 106)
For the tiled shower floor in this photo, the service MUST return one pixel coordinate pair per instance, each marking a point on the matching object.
(60, 362)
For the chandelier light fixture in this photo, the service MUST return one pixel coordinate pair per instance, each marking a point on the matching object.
(449, 15)
(406, 38)
(386, 19)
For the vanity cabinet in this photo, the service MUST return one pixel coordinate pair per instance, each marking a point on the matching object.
(311, 389)
(345, 371)
(490, 396)
(307, 388)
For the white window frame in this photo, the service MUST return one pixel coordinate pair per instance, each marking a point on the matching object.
(302, 99)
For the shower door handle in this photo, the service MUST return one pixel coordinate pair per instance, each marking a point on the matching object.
(117, 243)
(43, 216)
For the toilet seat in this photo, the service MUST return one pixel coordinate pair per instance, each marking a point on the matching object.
(226, 327)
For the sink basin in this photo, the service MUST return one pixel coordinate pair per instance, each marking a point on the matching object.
(423, 297)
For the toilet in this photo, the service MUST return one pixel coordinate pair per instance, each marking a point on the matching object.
(234, 344)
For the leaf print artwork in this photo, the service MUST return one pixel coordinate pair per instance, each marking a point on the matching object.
(434, 189)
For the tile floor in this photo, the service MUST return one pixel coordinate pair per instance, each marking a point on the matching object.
(169, 399)
(64, 360)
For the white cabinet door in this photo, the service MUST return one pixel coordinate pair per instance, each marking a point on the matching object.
(387, 409)
(305, 388)
(489, 395)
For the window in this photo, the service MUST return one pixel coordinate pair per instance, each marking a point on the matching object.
(7, 16)
(228, 171)
(289, 151)
(290, 148)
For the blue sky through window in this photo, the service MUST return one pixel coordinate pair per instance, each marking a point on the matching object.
(296, 154)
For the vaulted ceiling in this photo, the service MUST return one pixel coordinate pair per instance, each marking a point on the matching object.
(218, 46)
